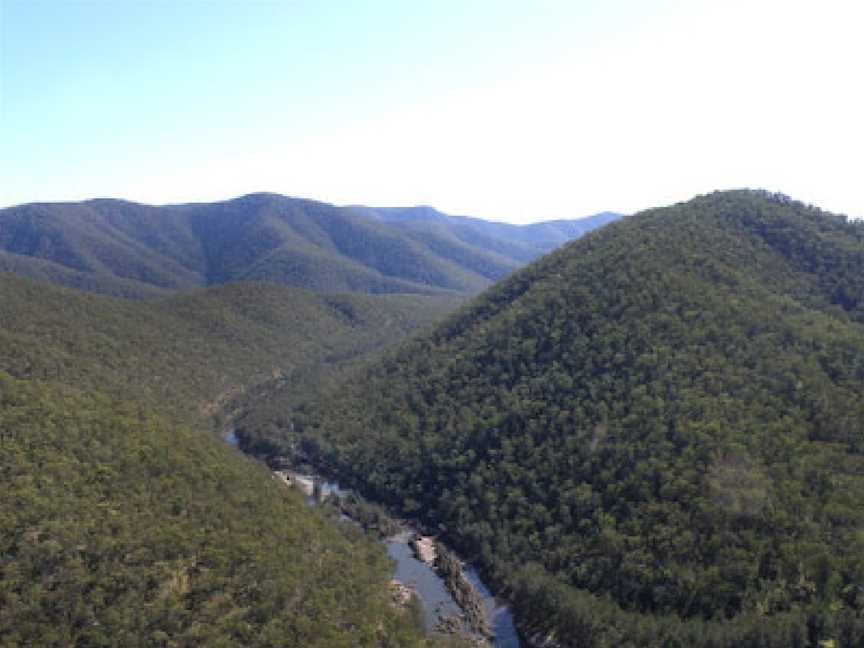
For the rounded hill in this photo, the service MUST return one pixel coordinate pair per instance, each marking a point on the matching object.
(654, 434)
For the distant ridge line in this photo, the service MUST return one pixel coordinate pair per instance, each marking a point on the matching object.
(134, 250)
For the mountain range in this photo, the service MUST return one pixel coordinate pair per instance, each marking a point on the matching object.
(124, 520)
(142, 251)
(651, 436)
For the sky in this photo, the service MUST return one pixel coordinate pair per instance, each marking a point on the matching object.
(516, 111)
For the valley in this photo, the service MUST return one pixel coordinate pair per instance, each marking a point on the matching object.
(416, 571)
(441, 324)
(651, 436)
(125, 521)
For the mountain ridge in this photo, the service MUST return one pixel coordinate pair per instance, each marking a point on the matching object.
(142, 251)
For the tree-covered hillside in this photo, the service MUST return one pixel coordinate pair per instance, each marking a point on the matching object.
(142, 251)
(125, 522)
(190, 350)
(460, 237)
(654, 436)
(120, 528)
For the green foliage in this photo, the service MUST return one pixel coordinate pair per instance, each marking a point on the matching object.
(665, 418)
(372, 517)
(140, 251)
(192, 352)
(124, 522)
(482, 245)
(120, 528)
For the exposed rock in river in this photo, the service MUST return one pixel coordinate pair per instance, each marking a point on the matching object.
(469, 619)
(424, 549)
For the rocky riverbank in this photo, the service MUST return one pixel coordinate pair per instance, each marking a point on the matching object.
(469, 618)
(450, 568)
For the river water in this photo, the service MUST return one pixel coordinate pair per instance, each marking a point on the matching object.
(434, 598)
(433, 595)
(500, 617)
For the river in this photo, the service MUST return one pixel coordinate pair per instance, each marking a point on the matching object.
(434, 598)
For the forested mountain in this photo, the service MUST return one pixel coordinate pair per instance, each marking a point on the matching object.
(132, 250)
(653, 436)
(124, 521)
(189, 350)
(521, 243)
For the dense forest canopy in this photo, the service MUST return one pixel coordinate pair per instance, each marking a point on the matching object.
(125, 521)
(653, 436)
(190, 350)
(139, 251)
(120, 528)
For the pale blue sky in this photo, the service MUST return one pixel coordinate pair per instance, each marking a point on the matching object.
(509, 110)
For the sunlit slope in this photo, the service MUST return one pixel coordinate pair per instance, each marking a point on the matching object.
(655, 433)
(460, 236)
(125, 522)
(121, 528)
(189, 350)
(143, 251)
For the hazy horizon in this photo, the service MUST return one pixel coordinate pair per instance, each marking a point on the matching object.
(310, 198)
(500, 110)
